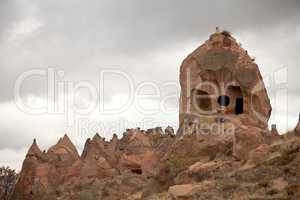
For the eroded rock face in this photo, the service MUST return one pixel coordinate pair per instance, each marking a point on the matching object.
(24, 188)
(63, 154)
(274, 131)
(43, 171)
(220, 77)
(235, 159)
(190, 190)
(297, 128)
(152, 166)
(136, 155)
(95, 161)
(246, 140)
(259, 155)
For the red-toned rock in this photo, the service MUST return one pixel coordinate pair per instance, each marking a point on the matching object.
(274, 131)
(60, 158)
(94, 160)
(297, 128)
(34, 151)
(247, 139)
(226, 152)
(220, 79)
(139, 154)
(26, 187)
(42, 172)
(63, 151)
(273, 135)
(190, 191)
(259, 155)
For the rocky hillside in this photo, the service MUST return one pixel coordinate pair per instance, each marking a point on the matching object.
(157, 164)
(227, 152)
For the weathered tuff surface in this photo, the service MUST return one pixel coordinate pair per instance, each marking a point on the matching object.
(234, 156)
(221, 68)
(156, 165)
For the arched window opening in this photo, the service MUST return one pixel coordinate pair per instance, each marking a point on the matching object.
(239, 106)
(223, 100)
(235, 93)
(202, 100)
(137, 171)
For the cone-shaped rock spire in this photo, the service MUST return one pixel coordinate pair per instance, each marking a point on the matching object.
(34, 149)
(86, 148)
(112, 145)
(114, 139)
(274, 131)
(93, 147)
(97, 136)
(64, 143)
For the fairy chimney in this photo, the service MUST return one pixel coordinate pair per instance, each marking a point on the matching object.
(219, 80)
(34, 150)
(274, 131)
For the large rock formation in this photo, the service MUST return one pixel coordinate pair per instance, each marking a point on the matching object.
(29, 175)
(222, 150)
(220, 79)
(61, 171)
(161, 166)
(43, 171)
(222, 93)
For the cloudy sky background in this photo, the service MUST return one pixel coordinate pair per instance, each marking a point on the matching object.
(147, 41)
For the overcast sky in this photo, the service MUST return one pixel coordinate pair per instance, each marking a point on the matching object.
(145, 43)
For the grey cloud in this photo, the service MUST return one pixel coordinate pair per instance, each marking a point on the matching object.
(73, 35)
